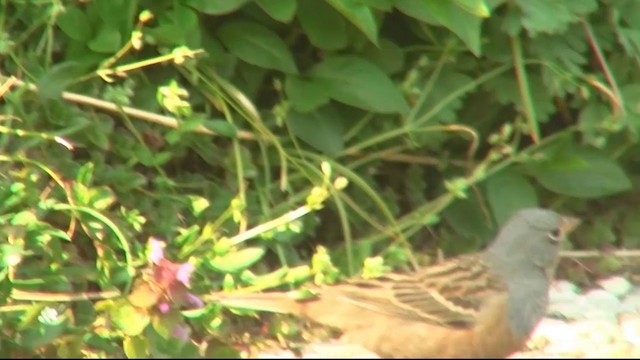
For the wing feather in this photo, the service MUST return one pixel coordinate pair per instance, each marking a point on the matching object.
(450, 293)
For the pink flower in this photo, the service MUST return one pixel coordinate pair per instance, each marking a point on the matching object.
(156, 252)
(180, 332)
(164, 307)
(184, 273)
(194, 301)
(172, 278)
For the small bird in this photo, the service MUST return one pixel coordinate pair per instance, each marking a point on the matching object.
(475, 305)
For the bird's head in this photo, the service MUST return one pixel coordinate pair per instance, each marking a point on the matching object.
(530, 240)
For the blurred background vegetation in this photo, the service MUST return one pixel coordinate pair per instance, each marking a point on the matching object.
(270, 143)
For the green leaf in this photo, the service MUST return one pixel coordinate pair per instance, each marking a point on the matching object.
(305, 95)
(238, 260)
(221, 127)
(580, 172)
(359, 15)
(417, 10)
(505, 89)
(631, 95)
(384, 5)
(129, 319)
(164, 324)
(592, 116)
(356, 82)
(85, 174)
(178, 27)
(30, 316)
(75, 24)
(508, 192)
(55, 81)
(281, 10)
(257, 45)
(10, 255)
(198, 204)
(568, 49)
(136, 347)
(475, 7)
(99, 133)
(323, 129)
(553, 16)
(33, 338)
(388, 56)
(471, 225)
(314, 17)
(448, 83)
(25, 217)
(53, 232)
(215, 7)
(465, 25)
(108, 39)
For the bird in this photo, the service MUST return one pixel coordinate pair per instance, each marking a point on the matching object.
(477, 305)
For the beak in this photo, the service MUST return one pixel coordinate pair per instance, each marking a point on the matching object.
(568, 224)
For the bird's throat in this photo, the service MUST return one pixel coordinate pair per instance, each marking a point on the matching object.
(527, 305)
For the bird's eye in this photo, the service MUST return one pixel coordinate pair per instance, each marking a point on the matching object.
(555, 235)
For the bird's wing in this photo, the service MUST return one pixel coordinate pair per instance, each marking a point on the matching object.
(450, 293)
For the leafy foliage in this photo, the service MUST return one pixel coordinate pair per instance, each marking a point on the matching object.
(266, 148)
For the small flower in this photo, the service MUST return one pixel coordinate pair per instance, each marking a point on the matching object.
(156, 250)
(193, 300)
(49, 316)
(184, 273)
(181, 332)
(164, 307)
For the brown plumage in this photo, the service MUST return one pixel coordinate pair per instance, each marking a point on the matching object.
(477, 305)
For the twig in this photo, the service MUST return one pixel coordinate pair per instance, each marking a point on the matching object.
(582, 254)
(163, 120)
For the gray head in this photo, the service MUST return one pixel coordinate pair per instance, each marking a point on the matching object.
(524, 251)
(529, 241)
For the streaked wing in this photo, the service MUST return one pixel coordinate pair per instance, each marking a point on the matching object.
(450, 293)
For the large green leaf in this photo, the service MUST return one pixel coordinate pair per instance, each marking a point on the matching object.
(305, 95)
(462, 23)
(323, 129)
(55, 81)
(388, 56)
(581, 172)
(108, 39)
(281, 10)
(507, 192)
(359, 15)
(75, 24)
(472, 227)
(359, 83)
(257, 45)
(553, 16)
(314, 17)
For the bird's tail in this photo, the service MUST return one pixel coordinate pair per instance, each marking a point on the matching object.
(278, 302)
